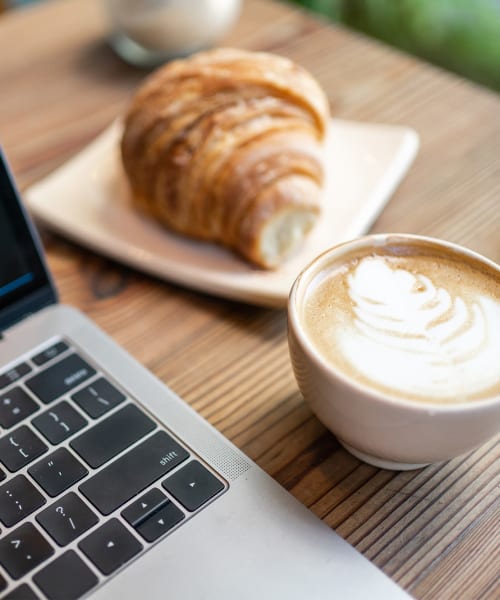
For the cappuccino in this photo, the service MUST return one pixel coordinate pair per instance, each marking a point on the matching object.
(413, 321)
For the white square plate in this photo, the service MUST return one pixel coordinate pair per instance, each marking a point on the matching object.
(88, 201)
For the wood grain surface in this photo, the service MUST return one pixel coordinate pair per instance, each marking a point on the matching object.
(434, 530)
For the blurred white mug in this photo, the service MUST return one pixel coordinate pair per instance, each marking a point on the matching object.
(149, 32)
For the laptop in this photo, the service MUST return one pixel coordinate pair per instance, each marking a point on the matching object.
(112, 487)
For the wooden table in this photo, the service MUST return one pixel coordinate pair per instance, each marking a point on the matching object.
(434, 530)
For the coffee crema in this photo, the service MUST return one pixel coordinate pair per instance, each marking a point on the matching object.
(414, 322)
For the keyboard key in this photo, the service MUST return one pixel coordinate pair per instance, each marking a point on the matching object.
(98, 398)
(66, 578)
(131, 473)
(144, 507)
(18, 499)
(2, 475)
(110, 546)
(67, 519)
(57, 471)
(60, 378)
(14, 374)
(109, 437)
(161, 522)
(49, 353)
(23, 549)
(193, 485)
(15, 405)
(22, 592)
(59, 423)
(20, 447)
(3, 583)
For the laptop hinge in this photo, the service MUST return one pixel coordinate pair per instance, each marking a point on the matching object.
(26, 306)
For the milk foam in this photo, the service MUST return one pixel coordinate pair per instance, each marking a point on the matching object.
(411, 335)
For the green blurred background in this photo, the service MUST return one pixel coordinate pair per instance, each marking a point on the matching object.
(460, 35)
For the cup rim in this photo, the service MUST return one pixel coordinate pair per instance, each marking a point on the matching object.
(381, 239)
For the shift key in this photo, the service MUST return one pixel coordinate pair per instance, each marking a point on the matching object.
(133, 472)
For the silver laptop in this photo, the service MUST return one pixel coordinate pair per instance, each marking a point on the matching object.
(112, 487)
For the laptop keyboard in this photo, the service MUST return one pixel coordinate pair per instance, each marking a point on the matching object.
(89, 481)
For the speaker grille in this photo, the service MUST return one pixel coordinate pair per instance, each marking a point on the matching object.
(229, 463)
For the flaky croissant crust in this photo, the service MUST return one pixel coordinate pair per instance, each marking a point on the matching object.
(226, 146)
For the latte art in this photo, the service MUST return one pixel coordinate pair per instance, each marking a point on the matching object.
(419, 327)
(413, 336)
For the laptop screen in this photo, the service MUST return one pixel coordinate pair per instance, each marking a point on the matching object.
(23, 274)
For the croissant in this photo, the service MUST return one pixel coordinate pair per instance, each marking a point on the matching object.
(226, 146)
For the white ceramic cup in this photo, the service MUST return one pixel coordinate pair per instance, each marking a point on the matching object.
(150, 32)
(379, 428)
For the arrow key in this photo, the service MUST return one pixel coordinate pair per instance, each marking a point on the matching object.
(161, 522)
(110, 546)
(144, 507)
(193, 485)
